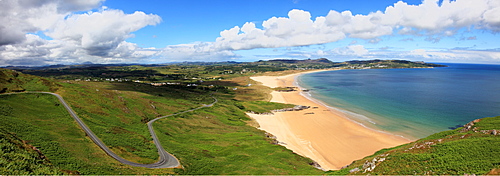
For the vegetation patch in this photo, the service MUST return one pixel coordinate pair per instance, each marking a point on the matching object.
(454, 152)
(260, 107)
(218, 141)
(19, 158)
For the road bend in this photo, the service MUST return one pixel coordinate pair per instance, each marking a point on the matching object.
(166, 160)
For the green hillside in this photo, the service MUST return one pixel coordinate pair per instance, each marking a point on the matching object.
(39, 137)
(13, 81)
(19, 158)
(472, 149)
(214, 140)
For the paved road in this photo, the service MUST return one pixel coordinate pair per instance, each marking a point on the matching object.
(166, 160)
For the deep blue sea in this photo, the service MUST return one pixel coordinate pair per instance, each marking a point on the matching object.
(410, 102)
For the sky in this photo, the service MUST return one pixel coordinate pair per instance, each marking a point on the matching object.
(50, 32)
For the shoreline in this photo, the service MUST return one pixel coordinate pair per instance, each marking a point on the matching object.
(321, 133)
(345, 113)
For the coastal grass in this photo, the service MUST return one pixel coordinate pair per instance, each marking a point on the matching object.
(453, 152)
(250, 90)
(217, 140)
(261, 106)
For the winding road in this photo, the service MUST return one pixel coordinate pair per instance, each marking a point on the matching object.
(166, 160)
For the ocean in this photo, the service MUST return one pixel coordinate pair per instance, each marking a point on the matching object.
(413, 103)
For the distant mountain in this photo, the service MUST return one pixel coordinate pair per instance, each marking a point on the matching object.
(320, 63)
(291, 61)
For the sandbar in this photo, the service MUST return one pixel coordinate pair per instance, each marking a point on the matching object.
(323, 134)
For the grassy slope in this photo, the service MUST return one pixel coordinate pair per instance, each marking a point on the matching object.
(212, 141)
(38, 119)
(218, 141)
(209, 141)
(19, 158)
(446, 153)
(13, 81)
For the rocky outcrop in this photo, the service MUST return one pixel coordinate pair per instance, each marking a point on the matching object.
(265, 113)
(370, 165)
(316, 165)
(470, 127)
(296, 108)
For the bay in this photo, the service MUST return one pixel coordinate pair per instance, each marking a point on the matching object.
(413, 103)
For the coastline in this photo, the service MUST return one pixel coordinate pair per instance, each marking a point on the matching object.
(321, 133)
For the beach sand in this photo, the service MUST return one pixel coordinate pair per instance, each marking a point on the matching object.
(320, 133)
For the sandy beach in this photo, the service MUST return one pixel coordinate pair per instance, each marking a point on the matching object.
(320, 133)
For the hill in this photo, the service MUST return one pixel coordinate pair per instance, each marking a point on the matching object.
(13, 81)
(215, 140)
(471, 149)
(385, 64)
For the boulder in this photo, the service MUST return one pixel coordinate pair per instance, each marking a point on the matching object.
(354, 170)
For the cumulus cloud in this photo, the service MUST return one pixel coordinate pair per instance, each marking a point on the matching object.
(351, 50)
(491, 56)
(204, 51)
(18, 17)
(97, 37)
(340, 53)
(431, 18)
(98, 33)
(359, 52)
(37, 51)
(296, 30)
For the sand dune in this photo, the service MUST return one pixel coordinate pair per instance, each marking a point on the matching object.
(320, 133)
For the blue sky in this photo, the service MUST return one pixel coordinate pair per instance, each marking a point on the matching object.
(190, 21)
(50, 32)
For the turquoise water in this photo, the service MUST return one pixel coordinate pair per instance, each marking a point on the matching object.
(410, 102)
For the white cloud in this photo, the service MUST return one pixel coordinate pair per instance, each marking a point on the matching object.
(194, 52)
(343, 53)
(100, 36)
(490, 56)
(296, 30)
(359, 52)
(429, 18)
(18, 17)
(97, 37)
(37, 51)
(100, 32)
